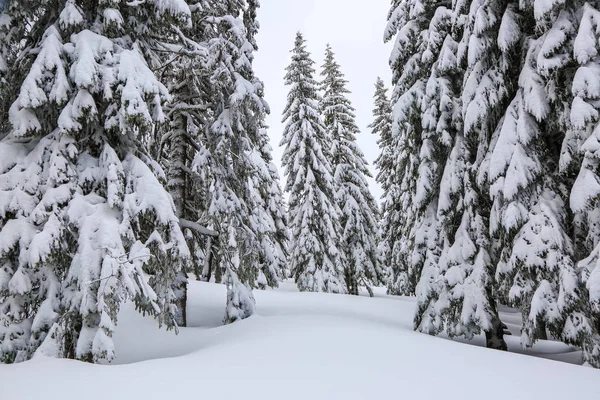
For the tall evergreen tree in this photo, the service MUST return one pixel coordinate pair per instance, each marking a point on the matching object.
(217, 148)
(423, 146)
(314, 259)
(388, 247)
(176, 145)
(400, 177)
(580, 155)
(419, 30)
(359, 212)
(529, 217)
(466, 299)
(85, 219)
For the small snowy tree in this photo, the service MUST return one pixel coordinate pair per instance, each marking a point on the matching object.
(358, 218)
(314, 256)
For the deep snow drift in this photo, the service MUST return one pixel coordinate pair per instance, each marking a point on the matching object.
(301, 346)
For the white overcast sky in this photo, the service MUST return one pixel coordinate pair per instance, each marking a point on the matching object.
(355, 31)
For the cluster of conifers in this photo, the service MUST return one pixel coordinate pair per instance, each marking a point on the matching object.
(491, 167)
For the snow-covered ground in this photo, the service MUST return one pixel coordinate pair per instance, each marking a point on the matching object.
(302, 346)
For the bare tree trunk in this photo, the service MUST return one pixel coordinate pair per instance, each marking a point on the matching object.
(494, 338)
(541, 331)
(216, 268)
(207, 268)
(351, 283)
(181, 316)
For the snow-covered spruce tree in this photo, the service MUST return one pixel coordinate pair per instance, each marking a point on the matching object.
(530, 179)
(271, 191)
(248, 247)
(181, 141)
(521, 121)
(468, 41)
(464, 295)
(359, 212)
(580, 153)
(270, 216)
(176, 148)
(528, 218)
(85, 219)
(216, 119)
(520, 98)
(275, 241)
(440, 124)
(388, 247)
(422, 145)
(181, 66)
(314, 256)
(399, 178)
(419, 29)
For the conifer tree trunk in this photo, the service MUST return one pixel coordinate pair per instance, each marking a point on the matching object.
(181, 302)
(541, 332)
(177, 188)
(207, 268)
(494, 338)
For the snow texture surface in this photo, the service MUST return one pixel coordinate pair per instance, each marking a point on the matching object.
(297, 345)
